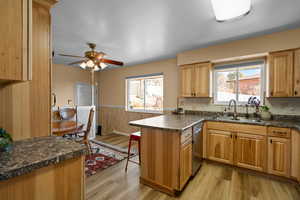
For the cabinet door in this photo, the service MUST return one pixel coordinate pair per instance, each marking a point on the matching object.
(220, 146)
(250, 151)
(279, 156)
(187, 74)
(297, 73)
(14, 31)
(185, 164)
(280, 76)
(202, 79)
(295, 152)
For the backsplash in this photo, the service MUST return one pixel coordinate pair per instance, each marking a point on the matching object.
(278, 106)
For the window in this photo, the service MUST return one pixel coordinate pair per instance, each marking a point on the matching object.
(238, 81)
(145, 93)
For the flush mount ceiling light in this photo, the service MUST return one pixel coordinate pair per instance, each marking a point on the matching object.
(230, 9)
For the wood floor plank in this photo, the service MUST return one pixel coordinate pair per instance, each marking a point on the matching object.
(213, 182)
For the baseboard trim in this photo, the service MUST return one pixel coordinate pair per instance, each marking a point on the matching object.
(159, 187)
(121, 133)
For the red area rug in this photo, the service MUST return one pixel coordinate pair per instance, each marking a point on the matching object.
(97, 162)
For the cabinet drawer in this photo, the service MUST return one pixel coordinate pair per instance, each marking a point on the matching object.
(235, 127)
(186, 136)
(279, 132)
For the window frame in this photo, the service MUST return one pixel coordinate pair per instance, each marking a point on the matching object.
(237, 67)
(144, 77)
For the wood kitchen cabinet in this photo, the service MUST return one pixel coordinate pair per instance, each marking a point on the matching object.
(185, 164)
(284, 73)
(297, 73)
(250, 151)
(166, 159)
(187, 74)
(25, 106)
(295, 155)
(15, 48)
(220, 146)
(279, 156)
(195, 80)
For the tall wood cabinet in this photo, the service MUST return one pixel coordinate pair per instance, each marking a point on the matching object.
(195, 80)
(25, 106)
(15, 48)
(284, 73)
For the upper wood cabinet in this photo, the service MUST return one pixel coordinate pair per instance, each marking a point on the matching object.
(187, 74)
(250, 151)
(15, 48)
(279, 156)
(220, 146)
(297, 73)
(195, 80)
(284, 73)
(280, 74)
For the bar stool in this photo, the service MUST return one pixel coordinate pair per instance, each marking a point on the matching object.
(134, 137)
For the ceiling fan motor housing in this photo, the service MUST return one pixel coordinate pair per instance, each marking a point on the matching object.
(91, 54)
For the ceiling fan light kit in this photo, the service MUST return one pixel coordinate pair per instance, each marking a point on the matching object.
(230, 9)
(93, 60)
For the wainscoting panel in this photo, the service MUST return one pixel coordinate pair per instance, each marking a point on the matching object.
(117, 119)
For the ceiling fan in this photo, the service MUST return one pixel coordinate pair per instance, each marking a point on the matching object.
(93, 60)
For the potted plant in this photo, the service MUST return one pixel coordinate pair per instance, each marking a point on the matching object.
(5, 141)
(265, 113)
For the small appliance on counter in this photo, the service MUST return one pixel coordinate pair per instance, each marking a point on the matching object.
(178, 111)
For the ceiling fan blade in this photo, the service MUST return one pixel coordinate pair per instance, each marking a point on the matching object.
(71, 56)
(114, 62)
(77, 62)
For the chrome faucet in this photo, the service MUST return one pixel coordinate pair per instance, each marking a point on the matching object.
(235, 112)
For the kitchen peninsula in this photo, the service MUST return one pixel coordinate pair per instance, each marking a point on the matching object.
(43, 168)
(168, 150)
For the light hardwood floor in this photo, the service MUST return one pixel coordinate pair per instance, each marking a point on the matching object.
(213, 182)
(114, 139)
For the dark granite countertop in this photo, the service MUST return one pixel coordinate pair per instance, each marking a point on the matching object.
(31, 154)
(183, 122)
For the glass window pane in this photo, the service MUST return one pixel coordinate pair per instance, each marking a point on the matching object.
(135, 94)
(249, 83)
(225, 85)
(154, 94)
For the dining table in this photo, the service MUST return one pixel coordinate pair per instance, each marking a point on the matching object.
(65, 127)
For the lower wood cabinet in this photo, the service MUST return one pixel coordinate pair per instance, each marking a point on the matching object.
(185, 164)
(250, 151)
(279, 156)
(295, 152)
(166, 159)
(220, 146)
(272, 150)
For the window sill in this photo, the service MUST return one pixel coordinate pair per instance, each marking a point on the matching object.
(146, 111)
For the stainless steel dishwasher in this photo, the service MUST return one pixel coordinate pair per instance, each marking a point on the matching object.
(197, 148)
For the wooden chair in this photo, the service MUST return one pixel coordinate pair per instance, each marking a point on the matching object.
(84, 139)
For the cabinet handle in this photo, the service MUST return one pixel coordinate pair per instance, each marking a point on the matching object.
(271, 141)
(230, 135)
(296, 93)
(236, 137)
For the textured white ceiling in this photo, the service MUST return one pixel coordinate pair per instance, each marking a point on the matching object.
(139, 31)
